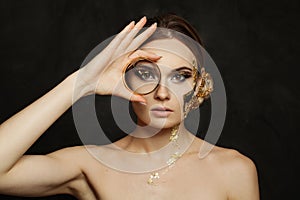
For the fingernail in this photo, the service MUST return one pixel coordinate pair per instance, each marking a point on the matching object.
(142, 21)
(129, 26)
(143, 103)
(143, 18)
(132, 55)
(154, 25)
(131, 23)
(157, 58)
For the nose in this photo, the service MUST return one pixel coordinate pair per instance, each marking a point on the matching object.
(162, 93)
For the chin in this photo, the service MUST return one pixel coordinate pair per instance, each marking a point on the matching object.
(161, 123)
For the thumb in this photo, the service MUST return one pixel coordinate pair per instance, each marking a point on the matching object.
(138, 98)
(133, 96)
(122, 91)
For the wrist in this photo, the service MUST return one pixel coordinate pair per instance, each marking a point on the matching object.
(78, 87)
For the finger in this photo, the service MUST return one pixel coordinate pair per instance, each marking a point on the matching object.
(118, 39)
(143, 54)
(134, 97)
(122, 91)
(140, 39)
(130, 95)
(138, 98)
(129, 37)
(105, 55)
(128, 27)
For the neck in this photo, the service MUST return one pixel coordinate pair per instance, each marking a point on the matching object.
(146, 139)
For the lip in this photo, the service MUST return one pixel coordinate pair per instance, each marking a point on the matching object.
(161, 111)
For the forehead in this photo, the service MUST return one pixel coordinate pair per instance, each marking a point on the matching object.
(170, 60)
(174, 53)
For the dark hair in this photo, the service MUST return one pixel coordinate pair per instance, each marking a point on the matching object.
(175, 26)
(176, 23)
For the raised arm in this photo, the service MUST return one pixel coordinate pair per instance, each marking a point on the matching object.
(38, 175)
(20, 131)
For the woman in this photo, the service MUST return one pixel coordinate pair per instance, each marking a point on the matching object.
(222, 174)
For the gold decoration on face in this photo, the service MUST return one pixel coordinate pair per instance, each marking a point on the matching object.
(202, 91)
(195, 72)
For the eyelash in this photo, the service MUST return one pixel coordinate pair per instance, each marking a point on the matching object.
(186, 75)
(141, 72)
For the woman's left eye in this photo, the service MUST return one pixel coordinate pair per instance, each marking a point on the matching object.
(180, 77)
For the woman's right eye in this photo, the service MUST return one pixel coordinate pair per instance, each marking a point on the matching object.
(145, 74)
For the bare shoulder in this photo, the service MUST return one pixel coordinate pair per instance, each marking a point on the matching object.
(239, 173)
(227, 159)
(236, 173)
(232, 159)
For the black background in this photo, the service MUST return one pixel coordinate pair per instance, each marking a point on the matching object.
(253, 43)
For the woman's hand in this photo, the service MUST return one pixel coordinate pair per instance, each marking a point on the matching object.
(102, 76)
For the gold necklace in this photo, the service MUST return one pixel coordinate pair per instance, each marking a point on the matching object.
(172, 159)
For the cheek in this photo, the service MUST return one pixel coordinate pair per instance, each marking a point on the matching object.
(177, 100)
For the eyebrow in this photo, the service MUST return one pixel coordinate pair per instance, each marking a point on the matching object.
(181, 68)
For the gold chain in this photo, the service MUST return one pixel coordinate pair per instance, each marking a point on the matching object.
(171, 161)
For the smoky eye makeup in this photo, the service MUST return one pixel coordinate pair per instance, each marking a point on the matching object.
(180, 74)
(145, 73)
(186, 74)
(185, 71)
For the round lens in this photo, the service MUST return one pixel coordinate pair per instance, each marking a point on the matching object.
(142, 77)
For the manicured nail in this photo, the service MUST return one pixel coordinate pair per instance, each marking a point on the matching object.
(132, 55)
(143, 103)
(157, 57)
(142, 21)
(131, 24)
(143, 18)
(153, 25)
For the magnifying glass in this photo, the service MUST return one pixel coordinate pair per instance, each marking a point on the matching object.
(142, 76)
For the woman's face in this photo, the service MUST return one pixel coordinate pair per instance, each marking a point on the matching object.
(164, 107)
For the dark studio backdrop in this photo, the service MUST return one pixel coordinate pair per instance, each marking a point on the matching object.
(253, 43)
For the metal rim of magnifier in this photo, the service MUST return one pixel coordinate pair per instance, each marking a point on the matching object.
(133, 63)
